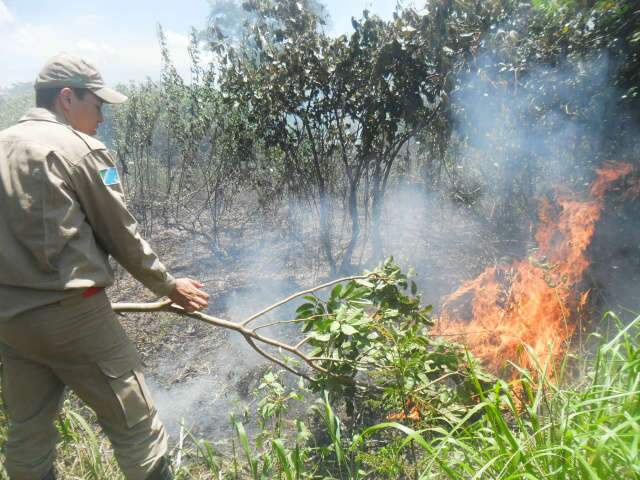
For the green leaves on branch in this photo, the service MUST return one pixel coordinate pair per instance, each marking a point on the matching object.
(375, 331)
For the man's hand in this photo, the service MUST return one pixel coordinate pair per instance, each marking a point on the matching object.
(188, 295)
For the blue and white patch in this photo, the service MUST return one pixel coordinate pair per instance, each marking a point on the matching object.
(110, 176)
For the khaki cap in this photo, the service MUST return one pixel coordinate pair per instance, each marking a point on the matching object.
(66, 70)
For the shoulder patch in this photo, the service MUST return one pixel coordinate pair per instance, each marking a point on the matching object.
(110, 176)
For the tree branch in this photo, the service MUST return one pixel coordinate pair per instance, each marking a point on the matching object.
(255, 340)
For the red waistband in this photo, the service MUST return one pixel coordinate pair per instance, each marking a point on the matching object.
(91, 291)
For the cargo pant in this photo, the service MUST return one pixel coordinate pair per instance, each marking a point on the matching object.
(77, 343)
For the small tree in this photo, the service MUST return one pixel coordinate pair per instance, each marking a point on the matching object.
(339, 108)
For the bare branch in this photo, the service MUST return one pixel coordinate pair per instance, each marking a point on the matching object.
(300, 294)
(285, 322)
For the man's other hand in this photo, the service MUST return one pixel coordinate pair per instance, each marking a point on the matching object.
(188, 295)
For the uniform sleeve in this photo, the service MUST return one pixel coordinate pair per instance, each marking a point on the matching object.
(97, 184)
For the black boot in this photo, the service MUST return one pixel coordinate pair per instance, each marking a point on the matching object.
(162, 471)
(50, 476)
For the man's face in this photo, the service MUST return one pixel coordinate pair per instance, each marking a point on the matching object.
(83, 114)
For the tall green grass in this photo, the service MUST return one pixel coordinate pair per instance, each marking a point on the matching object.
(589, 430)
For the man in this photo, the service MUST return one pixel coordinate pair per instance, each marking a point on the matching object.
(62, 214)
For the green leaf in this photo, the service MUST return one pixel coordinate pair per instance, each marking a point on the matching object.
(348, 330)
(361, 301)
(283, 459)
(321, 337)
(365, 283)
(305, 307)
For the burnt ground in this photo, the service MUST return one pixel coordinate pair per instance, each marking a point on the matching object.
(200, 374)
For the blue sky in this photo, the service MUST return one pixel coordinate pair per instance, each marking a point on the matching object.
(118, 35)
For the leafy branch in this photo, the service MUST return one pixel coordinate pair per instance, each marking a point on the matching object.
(251, 335)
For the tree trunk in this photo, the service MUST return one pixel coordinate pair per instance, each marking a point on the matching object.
(355, 227)
(377, 194)
(325, 231)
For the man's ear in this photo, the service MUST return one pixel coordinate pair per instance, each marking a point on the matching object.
(65, 98)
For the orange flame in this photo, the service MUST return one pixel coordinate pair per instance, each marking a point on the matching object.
(534, 301)
(607, 175)
(413, 413)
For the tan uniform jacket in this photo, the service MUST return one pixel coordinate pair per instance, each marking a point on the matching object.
(61, 213)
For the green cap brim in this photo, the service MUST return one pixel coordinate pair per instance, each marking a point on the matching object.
(108, 95)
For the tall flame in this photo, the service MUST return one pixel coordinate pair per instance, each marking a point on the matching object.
(534, 301)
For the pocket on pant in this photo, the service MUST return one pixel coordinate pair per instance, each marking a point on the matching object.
(129, 387)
